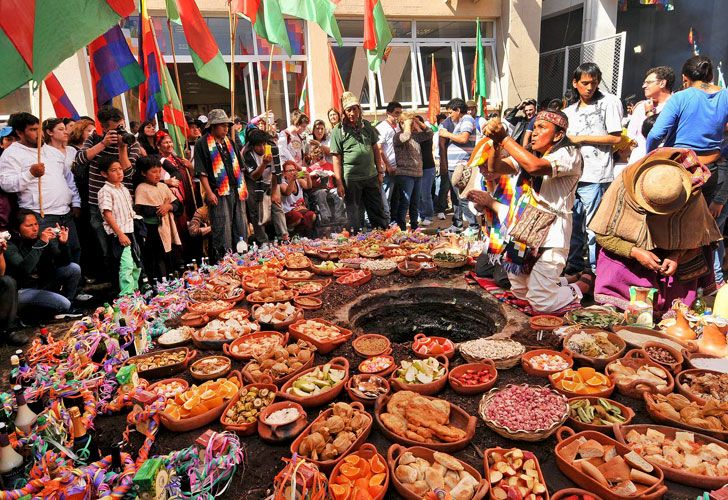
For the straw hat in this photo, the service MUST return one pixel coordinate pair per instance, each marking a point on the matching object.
(348, 99)
(659, 185)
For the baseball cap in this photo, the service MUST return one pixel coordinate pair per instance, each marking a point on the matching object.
(5, 131)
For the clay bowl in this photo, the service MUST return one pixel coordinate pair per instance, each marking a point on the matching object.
(298, 275)
(247, 429)
(567, 492)
(634, 389)
(571, 394)
(328, 254)
(409, 268)
(327, 465)
(308, 303)
(661, 418)
(271, 283)
(395, 451)
(355, 379)
(304, 263)
(597, 363)
(237, 314)
(469, 390)
(689, 345)
(428, 267)
(234, 299)
(280, 380)
(459, 418)
(182, 383)
(677, 475)
(684, 389)
(193, 319)
(627, 412)
(171, 345)
(675, 367)
(545, 322)
(192, 423)
(356, 344)
(566, 436)
(211, 344)
(322, 398)
(279, 433)
(528, 368)
(364, 279)
(294, 285)
(420, 257)
(342, 271)
(200, 308)
(224, 362)
(382, 373)
(323, 346)
(428, 389)
(256, 298)
(278, 325)
(487, 466)
(419, 341)
(367, 451)
(229, 349)
(166, 370)
(690, 357)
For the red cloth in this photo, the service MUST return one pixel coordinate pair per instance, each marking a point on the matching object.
(301, 221)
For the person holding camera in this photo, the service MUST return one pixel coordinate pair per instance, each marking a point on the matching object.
(45, 276)
(116, 143)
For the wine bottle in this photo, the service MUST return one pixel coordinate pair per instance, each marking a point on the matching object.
(84, 445)
(14, 369)
(12, 469)
(116, 463)
(24, 417)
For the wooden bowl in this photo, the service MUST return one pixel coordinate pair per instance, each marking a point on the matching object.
(627, 412)
(470, 390)
(279, 433)
(323, 346)
(419, 341)
(229, 349)
(528, 368)
(486, 466)
(684, 389)
(364, 279)
(545, 322)
(279, 380)
(247, 429)
(323, 398)
(409, 268)
(634, 389)
(459, 418)
(225, 366)
(395, 451)
(327, 465)
(183, 383)
(308, 303)
(660, 418)
(354, 379)
(672, 474)
(367, 451)
(356, 344)
(193, 319)
(166, 370)
(279, 325)
(675, 367)
(597, 363)
(566, 436)
(382, 373)
(428, 389)
(567, 492)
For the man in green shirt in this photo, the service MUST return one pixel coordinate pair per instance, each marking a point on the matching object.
(358, 169)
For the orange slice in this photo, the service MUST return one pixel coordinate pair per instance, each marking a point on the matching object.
(340, 491)
(377, 479)
(173, 411)
(376, 491)
(207, 394)
(191, 403)
(377, 464)
(349, 471)
(352, 459)
(595, 381)
(362, 484)
(213, 402)
(361, 494)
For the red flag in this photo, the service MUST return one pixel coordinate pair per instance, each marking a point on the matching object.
(337, 85)
(433, 107)
(62, 105)
(248, 8)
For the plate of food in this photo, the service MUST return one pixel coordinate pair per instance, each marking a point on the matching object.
(267, 295)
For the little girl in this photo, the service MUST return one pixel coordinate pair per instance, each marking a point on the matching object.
(156, 204)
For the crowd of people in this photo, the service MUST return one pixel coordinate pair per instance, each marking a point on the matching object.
(129, 207)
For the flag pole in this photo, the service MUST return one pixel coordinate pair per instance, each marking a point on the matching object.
(267, 89)
(233, 33)
(163, 80)
(40, 145)
(174, 61)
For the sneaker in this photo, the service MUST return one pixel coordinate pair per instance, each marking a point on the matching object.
(441, 216)
(425, 222)
(84, 297)
(453, 229)
(71, 314)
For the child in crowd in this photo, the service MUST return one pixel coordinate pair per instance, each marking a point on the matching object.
(298, 216)
(117, 210)
(156, 204)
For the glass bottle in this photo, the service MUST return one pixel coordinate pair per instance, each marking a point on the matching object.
(84, 445)
(24, 416)
(12, 469)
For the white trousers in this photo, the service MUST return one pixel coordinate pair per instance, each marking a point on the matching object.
(544, 288)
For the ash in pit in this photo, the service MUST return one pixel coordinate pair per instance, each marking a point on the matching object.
(453, 313)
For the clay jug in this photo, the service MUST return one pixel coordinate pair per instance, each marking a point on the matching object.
(712, 341)
(681, 329)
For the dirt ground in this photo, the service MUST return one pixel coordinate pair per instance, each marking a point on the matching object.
(263, 461)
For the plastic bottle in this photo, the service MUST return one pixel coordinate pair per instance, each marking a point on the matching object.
(241, 246)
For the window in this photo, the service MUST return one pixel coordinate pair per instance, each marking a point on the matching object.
(352, 64)
(443, 66)
(467, 61)
(395, 76)
(17, 100)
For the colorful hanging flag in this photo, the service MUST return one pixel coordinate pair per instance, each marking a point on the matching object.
(113, 68)
(377, 34)
(205, 54)
(433, 107)
(172, 12)
(337, 85)
(38, 35)
(151, 94)
(61, 103)
(173, 115)
(481, 91)
(303, 100)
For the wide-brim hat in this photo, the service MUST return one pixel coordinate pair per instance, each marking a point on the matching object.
(218, 117)
(461, 175)
(659, 185)
(348, 99)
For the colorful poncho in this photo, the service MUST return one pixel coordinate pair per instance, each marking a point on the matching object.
(220, 172)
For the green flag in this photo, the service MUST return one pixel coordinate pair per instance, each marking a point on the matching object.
(480, 91)
(320, 12)
(172, 12)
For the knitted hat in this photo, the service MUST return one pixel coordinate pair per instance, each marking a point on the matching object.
(348, 99)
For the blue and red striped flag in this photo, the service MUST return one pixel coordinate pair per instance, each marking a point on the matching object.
(113, 67)
(62, 105)
(151, 94)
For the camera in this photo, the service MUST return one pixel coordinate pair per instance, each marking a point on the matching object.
(56, 230)
(124, 136)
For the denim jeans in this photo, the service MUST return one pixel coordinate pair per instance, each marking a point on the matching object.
(57, 295)
(460, 207)
(74, 245)
(389, 197)
(426, 207)
(719, 252)
(588, 196)
(408, 190)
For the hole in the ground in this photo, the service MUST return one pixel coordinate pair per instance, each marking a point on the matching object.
(455, 313)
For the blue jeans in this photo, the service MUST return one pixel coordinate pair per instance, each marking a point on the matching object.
(74, 245)
(461, 210)
(408, 190)
(588, 196)
(426, 207)
(65, 281)
(719, 252)
(388, 197)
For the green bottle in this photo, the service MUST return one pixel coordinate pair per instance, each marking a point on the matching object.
(699, 304)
